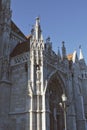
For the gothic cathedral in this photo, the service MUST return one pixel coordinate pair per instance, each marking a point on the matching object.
(39, 89)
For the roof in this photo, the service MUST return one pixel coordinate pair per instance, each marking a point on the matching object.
(17, 30)
(29, 36)
(21, 48)
(70, 57)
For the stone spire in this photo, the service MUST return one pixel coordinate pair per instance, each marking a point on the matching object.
(81, 58)
(81, 54)
(38, 34)
(36, 88)
(63, 50)
(36, 54)
(59, 55)
(75, 58)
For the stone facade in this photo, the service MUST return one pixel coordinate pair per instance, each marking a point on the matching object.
(33, 79)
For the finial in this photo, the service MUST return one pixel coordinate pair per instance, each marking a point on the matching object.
(63, 50)
(37, 21)
(58, 50)
(37, 30)
(32, 30)
(59, 56)
(79, 46)
(63, 43)
(48, 39)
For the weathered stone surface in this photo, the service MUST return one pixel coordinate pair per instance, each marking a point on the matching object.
(32, 82)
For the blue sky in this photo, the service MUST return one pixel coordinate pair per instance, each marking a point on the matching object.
(62, 20)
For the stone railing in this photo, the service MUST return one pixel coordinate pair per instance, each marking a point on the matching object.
(20, 59)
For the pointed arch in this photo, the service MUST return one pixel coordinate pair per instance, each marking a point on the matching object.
(57, 75)
(56, 86)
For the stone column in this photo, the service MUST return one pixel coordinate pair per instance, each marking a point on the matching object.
(55, 118)
(32, 68)
(31, 113)
(71, 115)
(38, 113)
(79, 106)
(43, 113)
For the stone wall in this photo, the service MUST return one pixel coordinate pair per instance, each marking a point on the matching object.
(19, 88)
